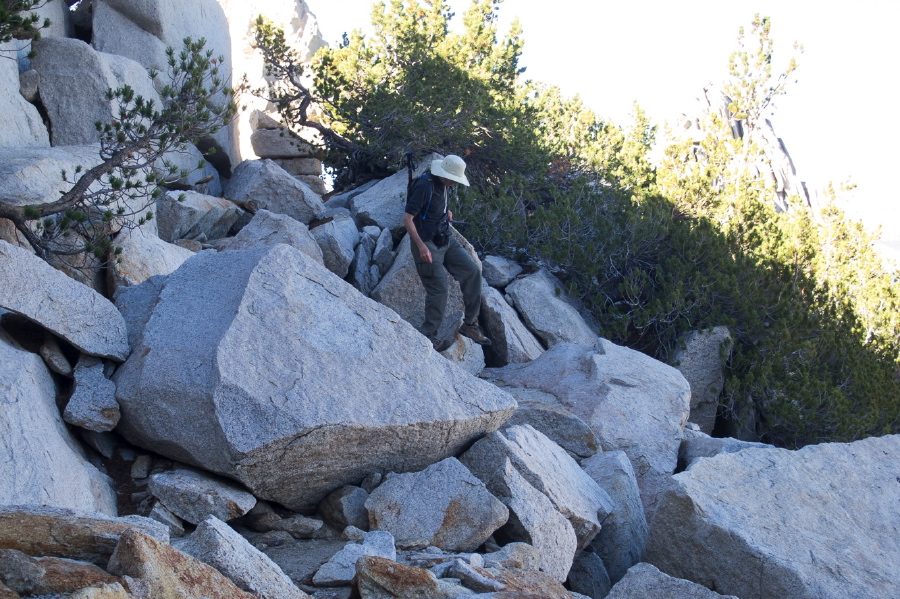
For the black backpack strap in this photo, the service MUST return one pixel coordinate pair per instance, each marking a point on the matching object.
(430, 194)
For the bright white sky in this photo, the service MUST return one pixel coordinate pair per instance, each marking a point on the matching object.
(836, 121)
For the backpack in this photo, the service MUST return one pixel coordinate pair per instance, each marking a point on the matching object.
(411, 182)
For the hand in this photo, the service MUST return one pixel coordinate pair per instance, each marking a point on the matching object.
(425, 253)
(449, 216)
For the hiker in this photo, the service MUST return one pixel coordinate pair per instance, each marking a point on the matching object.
(436, 252)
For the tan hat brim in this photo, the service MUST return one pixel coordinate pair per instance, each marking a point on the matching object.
(436, 169)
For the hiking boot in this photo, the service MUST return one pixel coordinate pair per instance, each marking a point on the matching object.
(440, 345)
(474, 332)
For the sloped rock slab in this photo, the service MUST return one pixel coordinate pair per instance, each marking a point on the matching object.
(821, 522)
(541, 300)
(303, 384)
(195, 496)
(547, 467)
(42, 462)
(78, 314)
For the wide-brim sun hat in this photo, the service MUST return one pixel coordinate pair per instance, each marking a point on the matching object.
(452, 167)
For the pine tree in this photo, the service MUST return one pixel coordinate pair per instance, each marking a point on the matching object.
(117, 193)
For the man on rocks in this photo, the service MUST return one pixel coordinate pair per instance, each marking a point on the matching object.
(436, 252)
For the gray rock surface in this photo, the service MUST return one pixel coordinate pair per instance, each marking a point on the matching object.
(301, 166)
(383, 254)
(188, 215)
(631, 401)
(217, 544)
(533, 519)
(588, 575)
(195, 496)
(144, 255)
(337, 239)
(42, 461)
(76, 313)
(363, 274)
(341, 568)
(548, 468)
(499, 271)
(346, 507)
(281, 143)
(212, 346)
(33, 175)
(74, 78)
(383, 203)
(559, 425)
(764, 523)
(644, 580)
(516, 555)
(93, 405)
(701, 358)
(54, 357)
(20, 121)
(270, 228)
(512, 343)
(623, 538)
(541, 300)
(704, 446)
(190, 158)
(266, 183)
(443, 505)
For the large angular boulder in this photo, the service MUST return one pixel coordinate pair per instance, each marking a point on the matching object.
(143, 255)
(700, 445)
(559, 425)
(189, 215)
(443, 505)
(512, 343)
(78, 314)
(764, 523)
(74, 79)
(383, 203)
(643, 580)
(93, 403)
(270, 228)
(33, 175)
(341, 568)
(631, 401)
(43, 463)
(40, 530)
(337, 239)
(533, 519)
(541, 300)
(623, 538)
(701, 358)
(217, 544)
(500, 272)
(195, 496)
(548, 468)
(268, 185)
(169, 572)
(255, 341)
(20, 121)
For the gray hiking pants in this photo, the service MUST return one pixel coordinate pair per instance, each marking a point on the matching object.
(452, 258)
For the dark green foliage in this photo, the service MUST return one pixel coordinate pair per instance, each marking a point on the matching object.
(117, 193)
(654, 252)
(19, 23)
